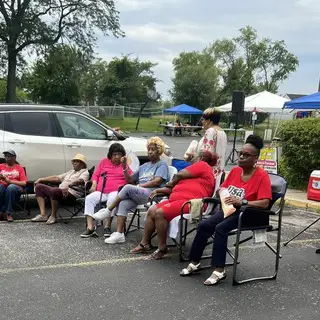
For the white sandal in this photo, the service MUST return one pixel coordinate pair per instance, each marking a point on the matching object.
(189, 270)
(215, 278)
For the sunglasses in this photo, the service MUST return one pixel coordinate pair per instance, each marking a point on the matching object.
(246, 154)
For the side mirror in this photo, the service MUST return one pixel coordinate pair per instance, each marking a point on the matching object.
(109, 135)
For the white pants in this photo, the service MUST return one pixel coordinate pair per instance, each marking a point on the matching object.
(92, 200)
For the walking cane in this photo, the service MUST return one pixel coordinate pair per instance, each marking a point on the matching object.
(104, 181)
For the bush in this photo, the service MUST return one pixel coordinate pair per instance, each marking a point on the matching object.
(300, 150)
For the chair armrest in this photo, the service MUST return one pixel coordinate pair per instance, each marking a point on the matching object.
(211, 200)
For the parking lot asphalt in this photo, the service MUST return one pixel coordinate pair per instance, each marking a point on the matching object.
(49, 272)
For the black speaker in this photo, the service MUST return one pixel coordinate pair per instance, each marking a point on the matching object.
(237, 101)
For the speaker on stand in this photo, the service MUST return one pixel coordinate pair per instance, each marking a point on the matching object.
(237, 109)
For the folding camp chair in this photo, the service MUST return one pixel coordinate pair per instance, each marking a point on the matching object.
(179, 225)
(76, 204)
(144, 207)
(23, 203)
(257, 221)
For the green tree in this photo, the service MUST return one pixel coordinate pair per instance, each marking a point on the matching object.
(251, 64)
(56, 78)
(22, 96)
(91, 81)
(38, 23)
(196, 79)
(126, 81)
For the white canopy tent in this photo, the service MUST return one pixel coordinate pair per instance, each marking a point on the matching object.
(263, 102)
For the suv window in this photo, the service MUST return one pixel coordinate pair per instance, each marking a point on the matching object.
(31, 123)
(79, 127)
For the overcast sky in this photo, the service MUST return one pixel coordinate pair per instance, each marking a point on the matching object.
(158, 30)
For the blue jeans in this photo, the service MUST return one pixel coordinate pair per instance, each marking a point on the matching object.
(220, 227)
(8, 196)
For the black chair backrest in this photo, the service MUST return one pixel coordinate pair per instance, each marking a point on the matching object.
(91, 170)
(279, 188)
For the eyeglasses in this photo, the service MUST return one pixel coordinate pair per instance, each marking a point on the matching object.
(246, 154)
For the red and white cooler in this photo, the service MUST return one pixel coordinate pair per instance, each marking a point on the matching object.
(313, 192)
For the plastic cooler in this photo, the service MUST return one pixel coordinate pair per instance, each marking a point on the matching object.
(313, 192)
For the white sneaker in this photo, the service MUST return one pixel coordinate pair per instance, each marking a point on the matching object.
(116, 237)
(102, 214)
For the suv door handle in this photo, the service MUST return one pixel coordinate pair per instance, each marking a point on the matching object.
(73, 145)
(16, 141)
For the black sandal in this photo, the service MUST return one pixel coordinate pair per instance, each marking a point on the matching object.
(143, 248)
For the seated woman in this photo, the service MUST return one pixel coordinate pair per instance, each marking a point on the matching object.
(12, 180)
(248, 185)
(195, 182)
(71, 185)
(151, 175)
(117, 175)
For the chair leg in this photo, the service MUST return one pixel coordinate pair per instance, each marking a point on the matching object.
(131, 223)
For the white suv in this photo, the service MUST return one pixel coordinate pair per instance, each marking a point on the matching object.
(46, 138)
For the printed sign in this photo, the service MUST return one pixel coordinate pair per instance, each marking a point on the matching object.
(268, 160)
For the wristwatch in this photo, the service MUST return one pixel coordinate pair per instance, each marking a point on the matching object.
(244, 202)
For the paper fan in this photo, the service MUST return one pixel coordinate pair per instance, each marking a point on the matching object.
(133, 161)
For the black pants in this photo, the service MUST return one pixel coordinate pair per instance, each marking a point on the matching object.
(220, 227)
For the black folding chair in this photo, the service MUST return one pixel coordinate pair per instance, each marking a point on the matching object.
(23, 203)
(253, 219)
(184, 232)
(132, 225)
(78, 203)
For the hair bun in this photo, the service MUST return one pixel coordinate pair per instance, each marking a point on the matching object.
(255, 140)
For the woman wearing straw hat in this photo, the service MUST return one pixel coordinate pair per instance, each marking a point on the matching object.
(71, 185)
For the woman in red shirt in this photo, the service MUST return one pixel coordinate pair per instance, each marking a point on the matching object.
(248, 185)
(194, 182)
(12, 181)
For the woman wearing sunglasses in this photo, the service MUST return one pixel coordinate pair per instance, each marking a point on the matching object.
(214, 140)
(247, 185)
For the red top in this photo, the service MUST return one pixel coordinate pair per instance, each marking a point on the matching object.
(15, 173)
(199, 186)
(258, 187)
(115, 176)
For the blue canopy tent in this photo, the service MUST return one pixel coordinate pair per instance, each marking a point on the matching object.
(308, 102)
(183, 109)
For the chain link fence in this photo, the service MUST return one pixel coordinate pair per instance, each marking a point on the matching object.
(117, 111)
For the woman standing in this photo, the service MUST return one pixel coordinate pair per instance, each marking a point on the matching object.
(12, 181)
(214, 140)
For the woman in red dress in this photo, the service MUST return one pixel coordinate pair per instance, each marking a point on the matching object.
(194, 182)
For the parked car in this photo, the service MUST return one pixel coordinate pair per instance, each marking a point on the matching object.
(46, 138)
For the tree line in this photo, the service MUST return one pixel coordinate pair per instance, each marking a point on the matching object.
(66, 71)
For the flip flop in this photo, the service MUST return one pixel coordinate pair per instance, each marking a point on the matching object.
(159, 254)
(142, 248)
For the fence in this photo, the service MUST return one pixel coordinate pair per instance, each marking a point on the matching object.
(103, 111)
(119, 112)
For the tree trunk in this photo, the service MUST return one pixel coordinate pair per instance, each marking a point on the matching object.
(11, 77)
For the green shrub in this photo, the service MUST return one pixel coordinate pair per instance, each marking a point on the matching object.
(300, 150)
